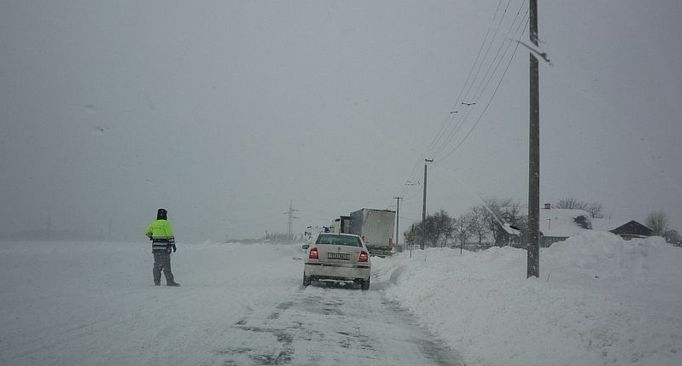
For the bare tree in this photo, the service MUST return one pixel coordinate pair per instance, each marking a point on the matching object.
(461, 229)
(477, 223)
(435, 230)
(500, 212)
(443, 225)
(594, 208)
(570, 203)
(658, 222)
(492, 212)
(410, 236)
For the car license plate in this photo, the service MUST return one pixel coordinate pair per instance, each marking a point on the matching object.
(343, 256)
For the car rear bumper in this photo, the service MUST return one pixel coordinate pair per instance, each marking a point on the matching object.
(336, 272)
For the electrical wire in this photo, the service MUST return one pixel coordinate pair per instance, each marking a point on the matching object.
(456, 147)
(476, 96)
(466, 82)
(469, 81)
(454, 122)
(482, 86)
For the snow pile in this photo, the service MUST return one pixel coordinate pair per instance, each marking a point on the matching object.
(600, 301)
(612, 258)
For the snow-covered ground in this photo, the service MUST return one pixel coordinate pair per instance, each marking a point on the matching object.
(94, 304)
(600, 301)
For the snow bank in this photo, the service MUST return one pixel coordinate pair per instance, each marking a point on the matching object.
(600, 301)
(612, 258)
(92, 303)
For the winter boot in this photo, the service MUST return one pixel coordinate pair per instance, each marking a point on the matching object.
(173, 284)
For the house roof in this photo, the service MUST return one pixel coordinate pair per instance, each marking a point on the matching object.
(621, 226)
(560, 222)
(633, 228)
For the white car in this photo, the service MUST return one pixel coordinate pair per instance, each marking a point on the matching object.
(337, 257)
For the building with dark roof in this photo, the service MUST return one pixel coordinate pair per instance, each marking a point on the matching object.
(632, 229)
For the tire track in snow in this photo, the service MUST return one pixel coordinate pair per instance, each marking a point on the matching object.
(331, 325)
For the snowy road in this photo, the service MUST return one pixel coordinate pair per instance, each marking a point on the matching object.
(332, 326)
(93, 304)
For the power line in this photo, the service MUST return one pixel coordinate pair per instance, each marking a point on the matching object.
(481, 88)
(485, 56)
(482, 85)
(472, 91)
(453, 116)
(486, 107)
(488, 75)
(509, 44)
(466, 82)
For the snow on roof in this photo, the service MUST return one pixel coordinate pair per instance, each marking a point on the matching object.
(560, 222)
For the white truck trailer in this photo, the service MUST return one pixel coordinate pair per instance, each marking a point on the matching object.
(376, 227)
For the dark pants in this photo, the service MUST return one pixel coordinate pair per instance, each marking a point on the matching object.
(162, 261)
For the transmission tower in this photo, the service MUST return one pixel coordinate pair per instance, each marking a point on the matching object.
(290, 214)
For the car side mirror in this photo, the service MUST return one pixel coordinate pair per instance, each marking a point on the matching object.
(305, 246)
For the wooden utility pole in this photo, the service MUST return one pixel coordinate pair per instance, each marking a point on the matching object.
(49, 225)
(412, 242)
(533, 249)
(397, 222)
(423, 231)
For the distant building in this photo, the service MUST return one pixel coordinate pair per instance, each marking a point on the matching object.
(558, 224)
(632, 229)
(623, 228)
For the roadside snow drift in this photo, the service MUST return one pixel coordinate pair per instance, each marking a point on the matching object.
(600, 300)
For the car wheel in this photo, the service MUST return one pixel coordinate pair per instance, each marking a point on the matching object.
(364, 285)
(306, 280)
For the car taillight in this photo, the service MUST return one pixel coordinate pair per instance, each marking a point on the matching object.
(364, 256)
(313, 254)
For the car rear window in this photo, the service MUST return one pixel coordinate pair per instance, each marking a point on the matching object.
(350, 241)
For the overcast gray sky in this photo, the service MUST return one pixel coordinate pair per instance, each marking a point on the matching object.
(224, 111)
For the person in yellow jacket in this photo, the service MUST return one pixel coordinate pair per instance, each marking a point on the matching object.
(160, 231)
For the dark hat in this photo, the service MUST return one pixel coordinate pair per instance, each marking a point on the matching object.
(161, 214)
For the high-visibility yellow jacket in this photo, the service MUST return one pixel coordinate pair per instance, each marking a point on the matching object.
(160, 229)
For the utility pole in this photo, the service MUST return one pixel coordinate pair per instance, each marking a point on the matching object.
(533, 245)
(397, 221)
(49, 225)
(290, 213)
(412, 243)
(426, 162)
